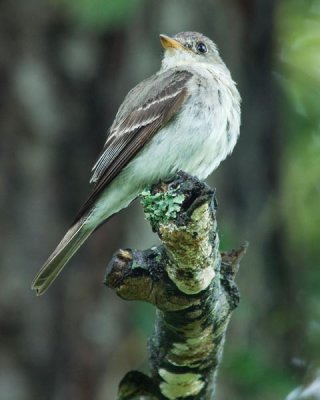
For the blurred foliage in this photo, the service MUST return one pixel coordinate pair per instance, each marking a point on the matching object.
(298, 25)
(301, 195)
(256, 377)
(144, 315)
(299, 35)
(100, 14)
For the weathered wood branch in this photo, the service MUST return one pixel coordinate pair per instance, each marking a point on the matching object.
(192, 286)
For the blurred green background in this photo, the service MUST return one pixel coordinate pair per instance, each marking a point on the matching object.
(65, 66)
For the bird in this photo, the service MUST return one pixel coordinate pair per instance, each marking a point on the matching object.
(184, 117)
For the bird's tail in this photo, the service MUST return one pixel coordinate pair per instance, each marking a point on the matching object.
(70, 243)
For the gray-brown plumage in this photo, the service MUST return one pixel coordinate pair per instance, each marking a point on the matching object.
(133, 128)
(185, 117)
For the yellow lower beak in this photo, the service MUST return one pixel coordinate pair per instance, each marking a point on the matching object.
(168, 42)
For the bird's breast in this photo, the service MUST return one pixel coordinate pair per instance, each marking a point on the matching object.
(198, 138)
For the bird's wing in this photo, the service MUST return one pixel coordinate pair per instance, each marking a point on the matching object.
(147, 108)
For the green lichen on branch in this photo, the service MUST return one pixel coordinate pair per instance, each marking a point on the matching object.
(161, 206)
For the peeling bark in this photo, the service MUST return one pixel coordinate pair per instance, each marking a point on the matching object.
(192, 286)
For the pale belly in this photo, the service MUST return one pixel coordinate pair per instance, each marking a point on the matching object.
(196, 141)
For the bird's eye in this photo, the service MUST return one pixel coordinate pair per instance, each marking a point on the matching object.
(201, 48)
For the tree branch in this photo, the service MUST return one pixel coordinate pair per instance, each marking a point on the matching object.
(190, 283)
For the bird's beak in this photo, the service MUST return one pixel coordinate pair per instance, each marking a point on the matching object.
(170, 43)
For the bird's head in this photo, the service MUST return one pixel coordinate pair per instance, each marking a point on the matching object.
(188, 48)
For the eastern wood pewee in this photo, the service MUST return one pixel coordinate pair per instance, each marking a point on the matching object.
(185, 117)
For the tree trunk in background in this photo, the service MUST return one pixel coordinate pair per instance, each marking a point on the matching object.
(258, 183)
(60, 88)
